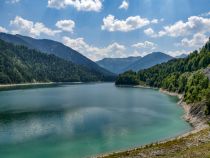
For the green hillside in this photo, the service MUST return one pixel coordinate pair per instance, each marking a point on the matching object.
(185, 76)
(18, 64)
(55, 48)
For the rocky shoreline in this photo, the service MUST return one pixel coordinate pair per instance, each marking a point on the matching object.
(197, 120)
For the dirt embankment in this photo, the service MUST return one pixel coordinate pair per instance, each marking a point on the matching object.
(194, 113)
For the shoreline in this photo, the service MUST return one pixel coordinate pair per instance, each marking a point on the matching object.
(137, 86)
(25, 84)
(35, 84)
(196, 123)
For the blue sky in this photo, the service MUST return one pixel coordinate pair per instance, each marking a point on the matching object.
(112, 28)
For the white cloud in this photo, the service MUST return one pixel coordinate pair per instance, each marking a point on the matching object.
(30, 28)
(66, 25)
(124, 5)
(2, 29)
(146, 44)
(80, 5)
(206, 14)
(131, 23)
(198, 40)
(149, 32)
(155, 21)
(177, 52)
(13, 1)
(135, 53)
(143, 48)
(95, 53)
(195, 24)
(140, 53)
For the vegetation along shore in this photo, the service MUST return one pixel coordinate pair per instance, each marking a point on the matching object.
(187, 79)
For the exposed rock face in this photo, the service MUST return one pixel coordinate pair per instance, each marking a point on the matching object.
(207, 72)
(195, 114)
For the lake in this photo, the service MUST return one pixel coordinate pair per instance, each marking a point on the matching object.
(82, 120)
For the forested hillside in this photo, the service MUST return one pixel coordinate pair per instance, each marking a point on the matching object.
(56, 48)
(178, 75)
(18, 64)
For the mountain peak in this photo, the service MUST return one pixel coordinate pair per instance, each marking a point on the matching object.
(120, 65)
(159, 54)
(149, 60)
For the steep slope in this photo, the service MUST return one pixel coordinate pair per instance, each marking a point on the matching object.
(18, 64)
(149, 61)
(117, 65)
(56, 48)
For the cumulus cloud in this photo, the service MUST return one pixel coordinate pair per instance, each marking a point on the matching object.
(13, 1)
(30, 28)
(142, 53)
(131, 23)
(154, 21)
(95, 53)
(80, 5)
(146, 44)
(198, 40)
(2, 29)
(178, 52)
(66, 25)
(206, 14)
(194, 25)
(124, 5)
(149, 32)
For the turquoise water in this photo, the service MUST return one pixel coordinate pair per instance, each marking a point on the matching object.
(82, 120)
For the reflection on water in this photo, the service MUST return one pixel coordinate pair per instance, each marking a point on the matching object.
(84, 120)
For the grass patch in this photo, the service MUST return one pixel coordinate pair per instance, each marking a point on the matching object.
(191, 146)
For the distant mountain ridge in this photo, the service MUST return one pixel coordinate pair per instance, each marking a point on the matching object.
(117, 65)
(120, 65)
(56, 48)
(149, 61)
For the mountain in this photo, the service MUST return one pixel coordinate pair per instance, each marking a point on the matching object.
(117, 65)
(120, 65)
(19, 64)
(188, 76)
(182, 56)
(56, 48)
(149, 61)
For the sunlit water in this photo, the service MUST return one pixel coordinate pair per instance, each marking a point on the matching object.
(74, 121)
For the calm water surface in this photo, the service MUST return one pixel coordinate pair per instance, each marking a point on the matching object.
(75, 121)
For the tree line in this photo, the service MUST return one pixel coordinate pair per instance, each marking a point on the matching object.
(178, 75)
(18, 64)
